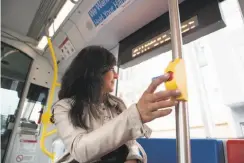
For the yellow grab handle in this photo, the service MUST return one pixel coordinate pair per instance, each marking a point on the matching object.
(47, 115)
(177, 79)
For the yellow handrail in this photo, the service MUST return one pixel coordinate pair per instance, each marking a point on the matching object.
(50, 132)
(47, 115)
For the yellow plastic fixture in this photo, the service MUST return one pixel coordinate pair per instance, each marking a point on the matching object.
(47, 115)
(177, 80)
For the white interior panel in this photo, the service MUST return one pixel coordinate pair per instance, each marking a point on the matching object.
(76, 15)
(42, 73)
(75, 36)
(86, 27)
(81, 9)
(80, 17)
(59, 38)
(67, 26)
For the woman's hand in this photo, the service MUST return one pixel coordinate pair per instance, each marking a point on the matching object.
(150, 102)
(131, 161)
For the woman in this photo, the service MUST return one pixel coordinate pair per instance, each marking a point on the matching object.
(96, 126)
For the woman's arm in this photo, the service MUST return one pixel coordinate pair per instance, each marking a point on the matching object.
(134, 152)
(86, 147)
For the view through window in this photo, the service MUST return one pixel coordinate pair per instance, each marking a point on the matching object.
(213, 62)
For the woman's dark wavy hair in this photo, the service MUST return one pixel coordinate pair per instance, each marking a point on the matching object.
(83, 81)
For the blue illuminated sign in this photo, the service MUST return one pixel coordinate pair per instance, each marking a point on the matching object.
(103, 9)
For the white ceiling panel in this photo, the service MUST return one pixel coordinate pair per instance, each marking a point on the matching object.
(18, 15)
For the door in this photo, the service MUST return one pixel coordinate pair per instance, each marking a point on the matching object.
(15, 66)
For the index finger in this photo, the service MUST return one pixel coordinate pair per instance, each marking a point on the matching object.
(156, 82)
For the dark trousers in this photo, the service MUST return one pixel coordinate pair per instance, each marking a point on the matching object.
(117, 156)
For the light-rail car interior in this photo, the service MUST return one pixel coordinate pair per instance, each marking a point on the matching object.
(40, 38)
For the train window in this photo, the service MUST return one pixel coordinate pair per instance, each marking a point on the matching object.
(215, 67)
(133, 81)
(32, 110)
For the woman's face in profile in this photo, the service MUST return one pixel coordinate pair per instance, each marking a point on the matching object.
(109, 80)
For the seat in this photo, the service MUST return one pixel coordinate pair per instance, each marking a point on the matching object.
(235, 151)
(202, 150)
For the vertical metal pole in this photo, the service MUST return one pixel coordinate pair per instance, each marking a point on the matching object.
(181, 110)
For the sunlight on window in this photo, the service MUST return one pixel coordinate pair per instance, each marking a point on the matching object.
(11, 101)
(232, 14)
(34, 116)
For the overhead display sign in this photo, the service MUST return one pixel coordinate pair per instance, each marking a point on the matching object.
(198, 18)
(104, 9)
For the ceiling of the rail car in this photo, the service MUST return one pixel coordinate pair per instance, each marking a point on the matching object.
(18, 15)
(28, 17)
(135, 16)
